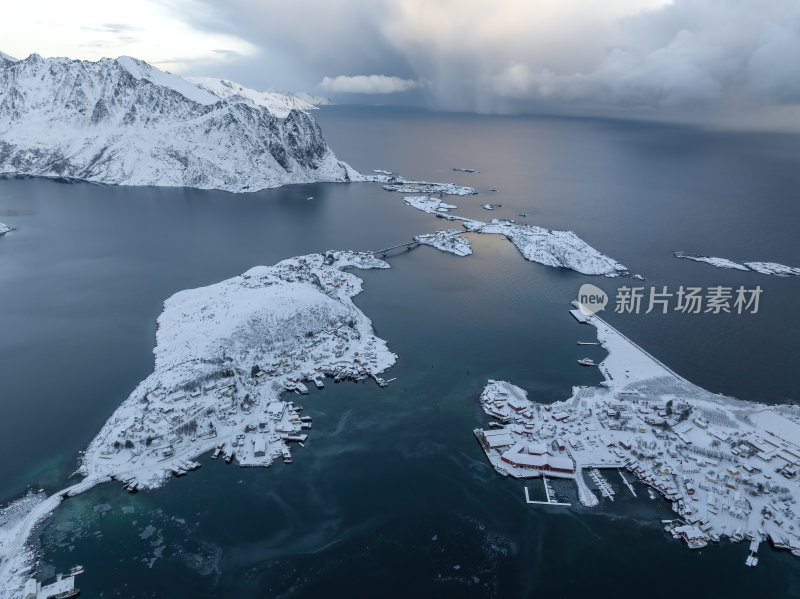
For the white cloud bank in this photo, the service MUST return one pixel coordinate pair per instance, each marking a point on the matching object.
(367, 84)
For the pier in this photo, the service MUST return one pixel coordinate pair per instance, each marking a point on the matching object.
(602, 484)
(627, 484)
(550, 499)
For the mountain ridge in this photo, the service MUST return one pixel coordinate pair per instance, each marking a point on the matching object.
(122, 121)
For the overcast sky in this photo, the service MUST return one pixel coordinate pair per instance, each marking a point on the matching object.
(735, 61)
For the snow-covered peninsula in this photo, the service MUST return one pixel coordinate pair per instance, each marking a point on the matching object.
(764, 268)
(225, 354)
(728, 467)
(122, 121)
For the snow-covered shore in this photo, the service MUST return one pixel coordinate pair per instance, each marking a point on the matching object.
(728, 467)
(5, 228)
(224, 356)
(764, 268)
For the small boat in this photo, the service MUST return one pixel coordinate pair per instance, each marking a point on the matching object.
(217, 451)
(229, 457)
(488, 207)
(287, 456)
(75, 570)
(586, 362)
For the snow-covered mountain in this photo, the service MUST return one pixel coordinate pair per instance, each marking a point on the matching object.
(278, 103)
(126, 122)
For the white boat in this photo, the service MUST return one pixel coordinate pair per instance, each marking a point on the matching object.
(586, 362)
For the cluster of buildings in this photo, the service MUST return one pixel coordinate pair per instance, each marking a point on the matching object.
(729, 468)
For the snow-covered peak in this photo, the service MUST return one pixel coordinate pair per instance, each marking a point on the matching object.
(278, 103)
(143, 70)
(7, 57)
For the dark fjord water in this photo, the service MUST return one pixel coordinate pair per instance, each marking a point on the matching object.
(392, 495)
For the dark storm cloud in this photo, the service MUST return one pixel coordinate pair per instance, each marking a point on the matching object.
(687, 56)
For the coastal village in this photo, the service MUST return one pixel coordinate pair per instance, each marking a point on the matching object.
(225, 355)
(729, 468)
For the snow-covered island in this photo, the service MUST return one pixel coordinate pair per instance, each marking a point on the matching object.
(224, 356)
(5, 228)
(728, 467)
(764, 268)
(560, 249)
(450, 241)
(429, 204)
(399, 184)
(122, 121)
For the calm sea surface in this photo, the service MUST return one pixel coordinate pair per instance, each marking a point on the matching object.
(391, 495)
